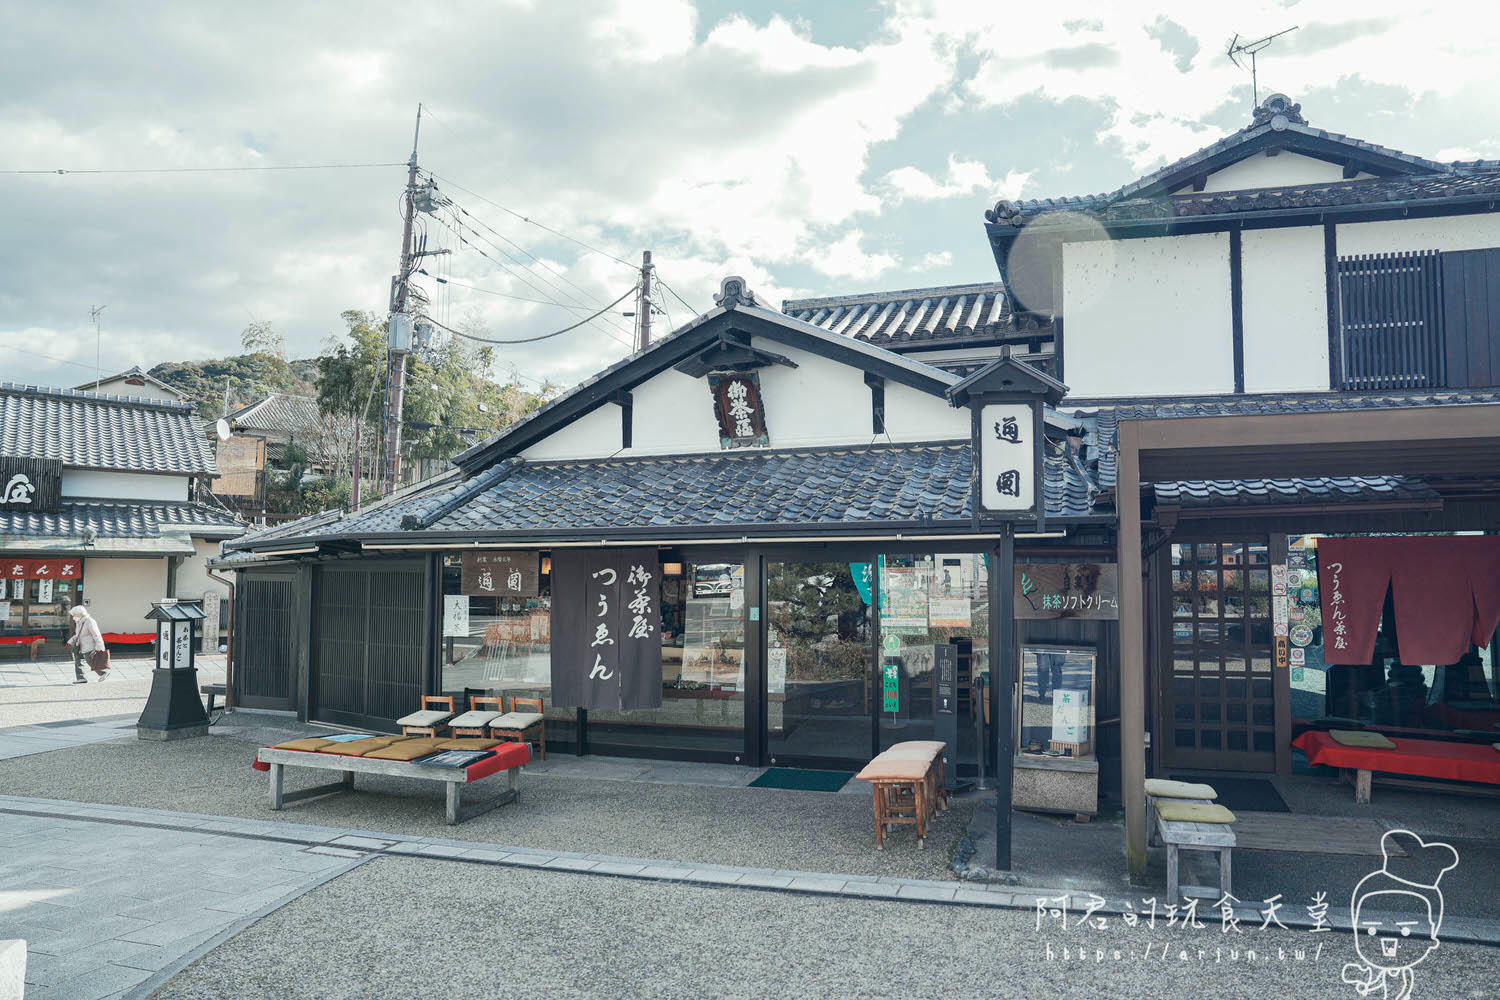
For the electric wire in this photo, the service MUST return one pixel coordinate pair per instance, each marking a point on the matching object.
(530, 221)
(531, 340)
(695, 311)
(203, 170)
(521, 277)
(525, 251)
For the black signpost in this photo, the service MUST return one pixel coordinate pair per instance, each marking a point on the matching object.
(945, 721)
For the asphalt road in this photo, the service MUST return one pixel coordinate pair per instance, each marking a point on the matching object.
(396, 928)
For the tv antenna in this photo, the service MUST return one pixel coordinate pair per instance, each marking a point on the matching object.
(94, 312)
(1238, 48)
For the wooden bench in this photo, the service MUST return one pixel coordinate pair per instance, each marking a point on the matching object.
(908, 787)
(214, 691)
(33, 641)
(1181, 835)
(129, 638)
(508, 758)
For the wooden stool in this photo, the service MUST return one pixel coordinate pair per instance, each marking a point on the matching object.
(901, 795)
(1196, 826)
(934, 787)
(1163, 789)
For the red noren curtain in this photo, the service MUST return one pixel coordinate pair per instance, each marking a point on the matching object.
(1445, 588)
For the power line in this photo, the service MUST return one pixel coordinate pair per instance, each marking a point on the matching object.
(530, 221)
(520, 277)
(490, 291)
(679, 298)
(203, 170)
(528, 253)
(47, 357)
(531, 340)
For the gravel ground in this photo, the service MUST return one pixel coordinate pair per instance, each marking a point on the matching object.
(750, 827)
(474, 931)
(27, 706)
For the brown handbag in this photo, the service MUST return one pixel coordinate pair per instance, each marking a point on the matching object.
(99, 660)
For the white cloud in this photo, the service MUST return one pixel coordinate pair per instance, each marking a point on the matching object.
(846, 259)
(962, 179)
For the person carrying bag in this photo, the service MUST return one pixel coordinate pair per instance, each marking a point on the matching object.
(88, 644)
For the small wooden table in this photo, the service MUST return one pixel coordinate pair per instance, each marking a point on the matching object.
(454, 778)
(32, 642)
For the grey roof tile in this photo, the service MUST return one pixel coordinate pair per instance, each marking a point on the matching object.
(98, 431)
(278, 411)
(948, 314)
(1163, 408)
(116, 520)
(1320, 489)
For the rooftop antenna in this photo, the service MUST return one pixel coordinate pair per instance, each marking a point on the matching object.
(94, 312)
(1238, 48)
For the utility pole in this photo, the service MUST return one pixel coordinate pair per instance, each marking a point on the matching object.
(643, 303)
(94, 312)
(399, 327)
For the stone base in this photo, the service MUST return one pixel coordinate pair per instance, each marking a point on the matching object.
(183, 733)
(1056, 785)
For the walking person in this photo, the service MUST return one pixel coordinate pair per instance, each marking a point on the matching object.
(88, 645)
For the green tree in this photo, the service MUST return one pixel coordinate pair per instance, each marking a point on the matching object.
(260, 338)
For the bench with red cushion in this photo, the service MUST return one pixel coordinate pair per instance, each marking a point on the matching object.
(507, 757)
(131, 638)
(24, 640)
(1477, 762)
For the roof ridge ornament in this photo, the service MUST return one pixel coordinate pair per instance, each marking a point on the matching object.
(1277, 111)
(734, 292)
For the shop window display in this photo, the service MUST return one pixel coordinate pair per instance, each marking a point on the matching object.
(1462, 696)
(1056, 712)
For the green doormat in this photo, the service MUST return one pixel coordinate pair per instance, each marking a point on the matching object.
(802, 779)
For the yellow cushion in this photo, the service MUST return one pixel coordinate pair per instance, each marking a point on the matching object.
(1361, 738)
(936, 746)
(1163, 788)
(469, 743)
(358, 748)
(407, 749)
(306, 743)
(1183, 811)
(897, 753)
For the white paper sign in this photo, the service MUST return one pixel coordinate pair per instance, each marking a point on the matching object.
(1278, 609)
(1279, 628)
(455, 615)
(1278, 578)
(1070, 716)
(163, 646)
(1299, 656)
(776, 670)
(1007, 458)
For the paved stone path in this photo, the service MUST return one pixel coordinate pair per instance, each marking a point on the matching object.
(47, 673)
(106, 905)
(21, 741)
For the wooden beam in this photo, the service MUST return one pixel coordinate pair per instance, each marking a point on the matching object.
(1200, 182)
(1237, 307)
(1132, 650)
(1350, 169)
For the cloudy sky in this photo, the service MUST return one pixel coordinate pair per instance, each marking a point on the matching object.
(814, 147)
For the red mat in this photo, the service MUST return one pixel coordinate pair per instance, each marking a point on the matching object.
(507, 756)
(1424, 758)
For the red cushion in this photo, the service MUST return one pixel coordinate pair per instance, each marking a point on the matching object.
(129, 636)
(507, 756)
(260, 765)
(20, 640)
(1423, 758)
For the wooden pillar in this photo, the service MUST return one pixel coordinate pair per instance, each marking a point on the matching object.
(1132, 650)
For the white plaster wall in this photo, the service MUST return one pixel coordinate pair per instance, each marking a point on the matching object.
(1148, 316)
(820, 402)
(119, 592)
(123, 387)
(193, 580)
(1272, 171)
(1285, 309)
(123, 485)
(1453, 232)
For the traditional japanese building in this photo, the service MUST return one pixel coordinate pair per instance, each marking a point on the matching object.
(1286, 336)
(102, 505)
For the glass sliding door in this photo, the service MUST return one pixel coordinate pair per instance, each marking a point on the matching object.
(933, 606)
(819, 663)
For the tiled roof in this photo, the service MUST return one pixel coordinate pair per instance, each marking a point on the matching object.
(1316, 490)
(280, 412)
(1263, 405)
(832, 486)
(951, 313)
(117, 520)
(133, 372)
(1147, 198)
(98, 431)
